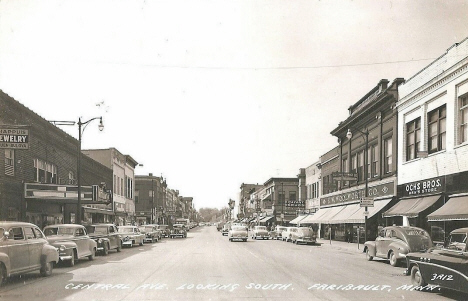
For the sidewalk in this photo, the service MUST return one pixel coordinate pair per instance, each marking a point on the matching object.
(341, 245)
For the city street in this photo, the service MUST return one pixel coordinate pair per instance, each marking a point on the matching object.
(206, 266)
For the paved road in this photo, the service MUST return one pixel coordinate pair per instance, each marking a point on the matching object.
(206, 266)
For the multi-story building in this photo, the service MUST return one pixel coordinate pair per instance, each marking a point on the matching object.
(246, 208)
(147, 198)
(363, 166)
(433, 139)
(123, 170)
(283, 194)
(38, 180)
(313, 188)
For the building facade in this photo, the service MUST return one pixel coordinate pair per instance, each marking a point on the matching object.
(433, 135)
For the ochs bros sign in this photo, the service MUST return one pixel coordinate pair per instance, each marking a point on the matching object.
(14, 138)
(428, 186)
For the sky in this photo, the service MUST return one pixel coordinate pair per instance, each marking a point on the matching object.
(211, 94)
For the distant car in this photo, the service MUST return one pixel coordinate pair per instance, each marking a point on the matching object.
(445, 266)
(394, 242)
(260, 232)
(72, 242)
(226, 228)
(178, 230)
(23, 249)
(286, 234)
(158, 231)
(238, 233)
(150, 232)
(277, 232)
(303, 235)
(131, 235)
(219, 226)
(106, 237)
(165, 231)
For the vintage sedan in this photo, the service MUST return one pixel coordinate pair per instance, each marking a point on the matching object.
(178, 230)
(106, 237)
(23, 249)
(304, 235)
(131, 235)
(287, 233)
(238, 233)
(260, 232)
(165, 231)
(226, 228)
(277, 232)
(150, 232)
(72, 241)
(394, 242)
(445, 266)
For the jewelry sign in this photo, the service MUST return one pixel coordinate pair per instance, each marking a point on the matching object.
(14, 138)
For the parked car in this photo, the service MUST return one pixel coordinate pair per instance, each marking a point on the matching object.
(178, 230)
(260, 232)
(286, 234)
(131, 235)
(303, 235)
(106, 237)
(150, 232)
(394, 242)
(219, 226)
(238, 233)
(23, 249)
(164, 230)
(72, 242)
(158, 231)
(277, 232)
(445, 266)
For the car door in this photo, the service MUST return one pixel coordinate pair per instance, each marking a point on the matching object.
(114, 240)
(18, 250)
(382, 243)
(34, 246)
(81, 240)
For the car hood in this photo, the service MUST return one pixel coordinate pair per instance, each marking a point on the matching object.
(59, 238)
(238, 232)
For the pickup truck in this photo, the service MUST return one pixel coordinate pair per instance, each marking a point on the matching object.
(106, 237)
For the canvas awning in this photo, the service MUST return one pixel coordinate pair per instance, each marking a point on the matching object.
(266, 197)
(358, 216)
(265, 219)
(343, 215)
(323, 215)
(411, 207)
(297, 219)
(455, 209)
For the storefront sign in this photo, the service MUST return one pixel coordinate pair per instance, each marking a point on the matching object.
(65, 193)
(387, 189)
(295, 204)
(14, 138)
(428, 186)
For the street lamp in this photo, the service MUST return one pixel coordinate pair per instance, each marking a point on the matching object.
(282, 196)
(78, 168)
(349, 135)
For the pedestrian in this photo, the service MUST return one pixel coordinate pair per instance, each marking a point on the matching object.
(348, 235)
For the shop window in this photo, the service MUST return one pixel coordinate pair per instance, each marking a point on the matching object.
(413, 139)
(436, 129)
(463, 103)
(9, 162)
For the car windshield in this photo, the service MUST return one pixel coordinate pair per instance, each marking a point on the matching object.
(59, 231)
(126, 229)
(260, 228)
(99, 229)
(457, 241)
(162, 227)
(238, 228)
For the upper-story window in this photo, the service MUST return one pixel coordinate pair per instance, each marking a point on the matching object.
(9, 162)
(372, 161)
(436, 129)
(463, 118)
(413, 138)
(388, 155)
(360, 164)
(45, 172)
(292, 196)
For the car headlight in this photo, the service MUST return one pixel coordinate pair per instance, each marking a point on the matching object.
(99, 241)
(62, 248)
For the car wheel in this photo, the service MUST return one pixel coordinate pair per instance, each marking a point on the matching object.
(105, 250)
(93, 254)
(141, 243)
(2, 274)
(46, 270)
(416, 277)
(230, 240)
(119, 246)
(71, 262)
(369, 257)
(393, 259)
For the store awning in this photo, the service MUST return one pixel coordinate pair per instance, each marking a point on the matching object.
(98, 210)
(358, 216)
(455, 209)
(411, 207)
(265, 219)
(322, 216)
(345, 214)
(266, 197)
(298, 219)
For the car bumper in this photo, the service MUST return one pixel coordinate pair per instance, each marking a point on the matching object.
(307, 240)
(127, 243)
(65, 257)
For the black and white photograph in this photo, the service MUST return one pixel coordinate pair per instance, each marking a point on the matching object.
(233, 150)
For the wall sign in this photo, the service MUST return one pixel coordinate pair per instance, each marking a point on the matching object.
(387, 189)
(422, 187)
(14, 138)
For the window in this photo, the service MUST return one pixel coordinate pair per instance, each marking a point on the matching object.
(115, 184)
(388, 150)
(375, 161)
(292, 195)
(137, 196)
(463, 118)
(9, 162)
(38, 233)
(16, 234)
(413, 138)
(71, 178)
(29, 233)
(45, 172)
(280, 197)
(436, 129)
(122, 187)
(360, 164)
(354, 164)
